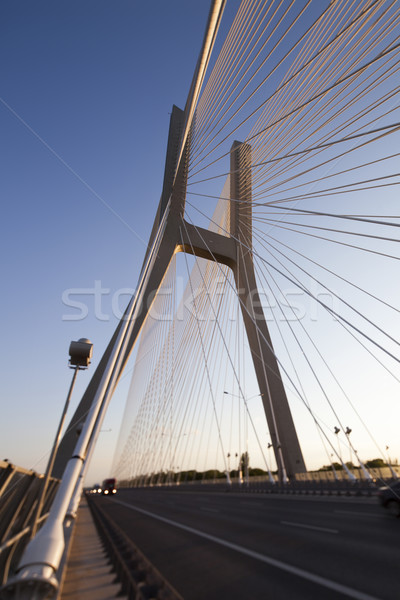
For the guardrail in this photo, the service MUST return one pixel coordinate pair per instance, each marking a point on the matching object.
(360, 487)
(139, 579)
(19, 494)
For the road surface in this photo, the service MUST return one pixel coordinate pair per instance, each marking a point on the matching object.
(238, 546)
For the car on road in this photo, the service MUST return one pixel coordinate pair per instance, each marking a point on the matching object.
(389, 497)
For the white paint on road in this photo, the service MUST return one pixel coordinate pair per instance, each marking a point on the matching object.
(314, 527)
(273, 562)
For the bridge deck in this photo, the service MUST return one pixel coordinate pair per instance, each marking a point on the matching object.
(88, 572)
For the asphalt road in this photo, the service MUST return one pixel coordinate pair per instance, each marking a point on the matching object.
(236, 546)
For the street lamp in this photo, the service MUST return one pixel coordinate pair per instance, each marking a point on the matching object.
(345, 467)
(389, 462)
(243, 398)
(80, 353)
(270, 476)
(246, 461)
(337, 431)
(363, 468)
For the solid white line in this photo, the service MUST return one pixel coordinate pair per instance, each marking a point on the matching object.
(325, 529)
(338, 587)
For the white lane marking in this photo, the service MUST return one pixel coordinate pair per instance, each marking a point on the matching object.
(355, 514)
(325, 529)
(214, 510)
(333, 585)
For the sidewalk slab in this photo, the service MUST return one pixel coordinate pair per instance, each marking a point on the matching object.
(89, 573)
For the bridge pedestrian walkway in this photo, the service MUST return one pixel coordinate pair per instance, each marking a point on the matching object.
(88, 574)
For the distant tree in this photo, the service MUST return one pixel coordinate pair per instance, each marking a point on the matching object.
(213, 474)
(338, 467)
(256, 472)
(351, 465)
(375, 463)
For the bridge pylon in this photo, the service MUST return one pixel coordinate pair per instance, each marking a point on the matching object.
(288, 455)
(172, 234)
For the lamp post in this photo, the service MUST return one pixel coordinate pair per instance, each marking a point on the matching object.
(389, 462)
(335, 476)
(270, 476)
(238, 396)
(228, 472)
(80, 353)
(246, 454)
(347, 434)
(345, 467)
(363, 467)
(337, 431)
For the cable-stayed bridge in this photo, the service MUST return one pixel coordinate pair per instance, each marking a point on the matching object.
(266, 315)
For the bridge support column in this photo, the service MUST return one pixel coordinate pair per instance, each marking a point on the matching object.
(284, 438)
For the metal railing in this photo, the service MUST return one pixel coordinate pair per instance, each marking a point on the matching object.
(19, 494)
(321, 486)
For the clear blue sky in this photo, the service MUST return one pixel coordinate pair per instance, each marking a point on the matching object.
(86, 91)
